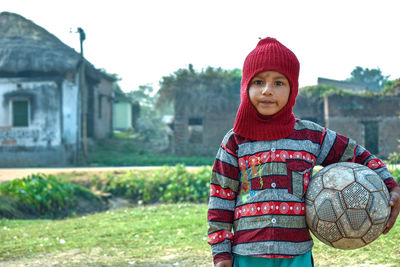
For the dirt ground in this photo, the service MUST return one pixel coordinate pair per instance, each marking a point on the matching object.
(7, 174)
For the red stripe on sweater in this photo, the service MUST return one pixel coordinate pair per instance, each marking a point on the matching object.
(271, 234)
(226, 169)
(252, 161)
(222, 257)
(390, 183)
(270, 207)
(363, 157)
(274, 256)
(220, 216)
(218, 191)
(220, 236)
(228, 150)
(375, 163)
(306, 134)
(337, 150)
(270, 182)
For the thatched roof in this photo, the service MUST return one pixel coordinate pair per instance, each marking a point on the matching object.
(25, 46)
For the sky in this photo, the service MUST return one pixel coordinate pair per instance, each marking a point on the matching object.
(143, 40)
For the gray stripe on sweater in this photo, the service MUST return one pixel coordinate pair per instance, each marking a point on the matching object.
(257, 222)
(218, 226)
(227, 136)
(224, 246)
(224, 156)
(269, 195)
(348, 153)
(327, 144)
(308, 125)
(283, 144)
(221, 204)
(224, 182)
(273, 247)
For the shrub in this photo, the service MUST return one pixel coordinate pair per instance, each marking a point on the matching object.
(166, 185)
(44, 195)
(396, 175)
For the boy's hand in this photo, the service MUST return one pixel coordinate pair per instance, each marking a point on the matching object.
(395, 204)
(225, 263)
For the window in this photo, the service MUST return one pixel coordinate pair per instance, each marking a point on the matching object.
(195, 129)
(99, 106)
(20, 113)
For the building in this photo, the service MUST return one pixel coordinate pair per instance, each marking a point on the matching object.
(345, 85)
(200, 124)
(372, 121)
(53, 101)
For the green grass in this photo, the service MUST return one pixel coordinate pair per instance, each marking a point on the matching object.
(147, 236)
(141, 235)
(130, 152)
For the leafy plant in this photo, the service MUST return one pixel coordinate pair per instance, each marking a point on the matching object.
(322, 90)
(166, 185)
(45, 195)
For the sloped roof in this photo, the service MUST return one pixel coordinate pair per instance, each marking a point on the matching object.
(343, 84)
(25, 46)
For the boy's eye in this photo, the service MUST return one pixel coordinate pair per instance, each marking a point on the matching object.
(258, 82)
(278, 83)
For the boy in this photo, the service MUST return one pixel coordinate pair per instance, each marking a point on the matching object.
(264, 164)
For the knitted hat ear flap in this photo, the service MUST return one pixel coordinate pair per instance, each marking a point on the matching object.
(269, 55)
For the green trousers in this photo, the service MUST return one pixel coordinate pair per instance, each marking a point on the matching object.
(305, 260)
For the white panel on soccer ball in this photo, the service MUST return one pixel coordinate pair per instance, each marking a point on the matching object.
(373, 233)
(311, 217)
(355, 196)
(369, 179)
(354, 223)
(348, 243)
(378, 207)
(329, 205)
(338, 178)
(314, 188)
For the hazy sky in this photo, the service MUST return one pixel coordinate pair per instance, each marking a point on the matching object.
(143, 40)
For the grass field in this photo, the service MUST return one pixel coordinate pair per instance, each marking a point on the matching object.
(154, 235)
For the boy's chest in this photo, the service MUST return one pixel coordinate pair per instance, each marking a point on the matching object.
(275, 165)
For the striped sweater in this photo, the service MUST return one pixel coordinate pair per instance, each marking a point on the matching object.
(258, 187)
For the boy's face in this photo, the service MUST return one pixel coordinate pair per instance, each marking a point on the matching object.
(269, 92)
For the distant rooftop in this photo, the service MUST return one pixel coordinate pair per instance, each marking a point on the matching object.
(343, 84)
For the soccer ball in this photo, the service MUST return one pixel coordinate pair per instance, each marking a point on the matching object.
(347, 205)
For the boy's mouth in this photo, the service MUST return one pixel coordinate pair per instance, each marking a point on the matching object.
(267, 102)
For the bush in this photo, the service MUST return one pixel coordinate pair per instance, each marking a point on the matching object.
(396, 175)
(166, 185)
(45, 196)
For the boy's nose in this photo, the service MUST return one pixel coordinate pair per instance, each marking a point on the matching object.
(266, 89)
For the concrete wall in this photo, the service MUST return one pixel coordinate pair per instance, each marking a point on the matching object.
(70, 112)
(103, 109)
(310, 108)
(348, 115)
(40, 143)
(122, 115)
(217, 119)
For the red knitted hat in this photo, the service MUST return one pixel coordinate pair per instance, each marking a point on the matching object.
(269, 54)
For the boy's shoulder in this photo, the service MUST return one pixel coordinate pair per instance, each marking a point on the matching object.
(309, 125)
(228, 136)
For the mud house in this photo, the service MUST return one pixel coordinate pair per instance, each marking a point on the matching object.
(52, 101)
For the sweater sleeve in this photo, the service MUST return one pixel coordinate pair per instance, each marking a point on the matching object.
(223, 191)
(338, 148)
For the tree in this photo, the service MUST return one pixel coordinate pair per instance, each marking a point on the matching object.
(371, 78)
(186, 84)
